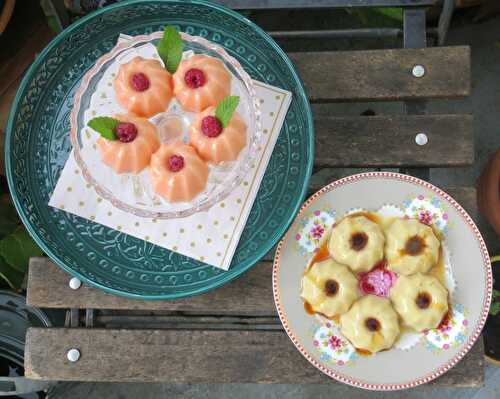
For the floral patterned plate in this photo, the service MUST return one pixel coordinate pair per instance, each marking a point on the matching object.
(418, 358)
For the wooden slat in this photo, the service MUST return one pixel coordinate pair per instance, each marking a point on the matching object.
(48, 288)
(190, 357)
(384, 74)
(249, 295)
(386, 141)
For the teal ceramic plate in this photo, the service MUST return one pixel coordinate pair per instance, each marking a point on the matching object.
(38, 145)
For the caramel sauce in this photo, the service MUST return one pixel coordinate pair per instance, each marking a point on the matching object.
(331, 287)
(358, 241)
(415, 245)
(363, 352)
(321, 254)
(308, 308)
(423, 300)
(372, 324)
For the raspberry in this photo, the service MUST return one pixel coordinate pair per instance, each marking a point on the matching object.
(194, 78)
(126, 132)
(210, 126)
(140, 82)
(175, 163)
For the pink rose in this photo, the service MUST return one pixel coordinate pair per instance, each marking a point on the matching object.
(377, 282)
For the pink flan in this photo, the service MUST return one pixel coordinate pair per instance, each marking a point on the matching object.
(213, 142)
(143, 87)
(201, 81)
(178, 172)
(131, 152)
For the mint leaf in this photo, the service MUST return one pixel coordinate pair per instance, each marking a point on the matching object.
(105, 126)
(225, 109)
(170, 48)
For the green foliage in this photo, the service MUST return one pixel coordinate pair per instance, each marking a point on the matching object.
(383, 17)
(16, 246)
(495, 303)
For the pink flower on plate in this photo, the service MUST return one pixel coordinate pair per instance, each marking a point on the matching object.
(297, 237)
(420, 197)
(317, 213)
(317, 231)
(377, 282)
(425, 217)
(335, 342)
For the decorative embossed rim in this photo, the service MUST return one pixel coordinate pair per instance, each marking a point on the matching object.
(255, 126)
(486, 301)
(233, 272)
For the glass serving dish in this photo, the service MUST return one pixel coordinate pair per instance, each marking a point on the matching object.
(134, 193)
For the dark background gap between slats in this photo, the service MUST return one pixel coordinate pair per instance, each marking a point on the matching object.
(249, 295)
(384, 75)
(276, 4)
(190, 357)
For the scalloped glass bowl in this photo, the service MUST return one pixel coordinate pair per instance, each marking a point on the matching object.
(134, 193)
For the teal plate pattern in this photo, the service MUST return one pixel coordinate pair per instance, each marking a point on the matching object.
(38, 145)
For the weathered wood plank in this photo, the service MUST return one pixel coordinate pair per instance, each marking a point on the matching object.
(48, 287)
(386, 141)
(248, 295)
(384, 74)
(190, 357)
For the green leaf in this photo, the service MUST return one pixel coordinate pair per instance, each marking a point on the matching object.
(495, 304)
(395, 13)
(29, 246)
(17, 248)
(11, 277)
(495, 308)
(170, 48)
(8, 216)
(105, 126)
(225, 109)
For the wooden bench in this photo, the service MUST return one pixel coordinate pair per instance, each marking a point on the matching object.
(233, 334)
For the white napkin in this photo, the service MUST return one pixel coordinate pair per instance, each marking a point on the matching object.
(212, 236)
